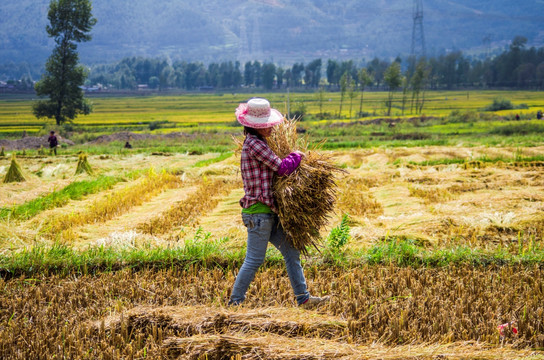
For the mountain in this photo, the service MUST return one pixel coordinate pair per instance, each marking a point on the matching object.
(283, 31)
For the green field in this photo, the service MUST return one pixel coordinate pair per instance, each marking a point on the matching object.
(448, 118)
(219, 108)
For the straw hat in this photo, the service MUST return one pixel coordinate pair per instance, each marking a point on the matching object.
(258, 114)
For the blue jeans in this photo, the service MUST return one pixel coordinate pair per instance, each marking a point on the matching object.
(262, 228)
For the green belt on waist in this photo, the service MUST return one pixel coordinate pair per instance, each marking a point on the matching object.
(258, 208)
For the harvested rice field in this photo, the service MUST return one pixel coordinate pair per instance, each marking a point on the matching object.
(430, 250)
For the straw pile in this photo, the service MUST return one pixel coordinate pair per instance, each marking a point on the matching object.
(2, 152)
(14, 173)
(306, 197)
(83, 165)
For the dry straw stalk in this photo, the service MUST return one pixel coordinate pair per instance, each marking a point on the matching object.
(14, 173)
(188, 211)
(306, 197)
(83, 165)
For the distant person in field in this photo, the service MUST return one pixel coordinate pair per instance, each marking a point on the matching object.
(539, 114)
(53, 141)
(128, 146)
(259, 164)
(517, 116)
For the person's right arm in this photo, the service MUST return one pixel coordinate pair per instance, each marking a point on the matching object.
(260, 151)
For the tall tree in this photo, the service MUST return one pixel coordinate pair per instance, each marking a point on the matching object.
(268, 74)
(236, 75)
(332, 72)
(377, 68)
(345, 81)
(352, 94)
(296, 72)
(288, 76)
(365, 79)
(417, 83)
(312, 73)
(194, 75)
(248, 74)
(393, 79)
(405, 84)
(279, 76)
(70, 23)
(540, 75)
(320, 97)
(449, 68)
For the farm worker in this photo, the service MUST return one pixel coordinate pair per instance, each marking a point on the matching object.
(258, 166)
(53, 142)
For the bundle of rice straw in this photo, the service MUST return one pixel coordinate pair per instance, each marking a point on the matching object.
(306, 197)
(83, 165)
(14, 173)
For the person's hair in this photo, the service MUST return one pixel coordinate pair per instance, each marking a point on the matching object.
(51, 132)
(252, 131)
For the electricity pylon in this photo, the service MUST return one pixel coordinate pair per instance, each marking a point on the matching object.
(418, 37)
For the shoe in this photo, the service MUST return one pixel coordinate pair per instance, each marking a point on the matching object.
(314, 301)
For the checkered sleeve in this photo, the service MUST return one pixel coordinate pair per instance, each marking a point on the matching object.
(261, 152)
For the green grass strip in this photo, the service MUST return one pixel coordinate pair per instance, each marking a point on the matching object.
(518, 129)
(74, 191)
(406, 252)
(217, 159)
(516, 160)
(206, 253)
(63, 260)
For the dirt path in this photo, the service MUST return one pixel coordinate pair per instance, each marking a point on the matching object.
(122, 229)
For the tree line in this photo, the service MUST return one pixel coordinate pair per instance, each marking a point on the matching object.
(516, 67)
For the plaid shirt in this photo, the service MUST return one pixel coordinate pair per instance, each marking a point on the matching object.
(258, 165)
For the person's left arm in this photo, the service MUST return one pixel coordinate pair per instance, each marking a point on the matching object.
(290, 163)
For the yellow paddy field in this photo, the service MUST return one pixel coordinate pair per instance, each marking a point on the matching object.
(210, 108)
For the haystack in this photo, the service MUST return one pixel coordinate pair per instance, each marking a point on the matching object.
(83, 165)
(306, 197)
(14, 173)
(2, 152)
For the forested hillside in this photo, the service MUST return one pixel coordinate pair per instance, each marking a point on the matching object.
(282, 31)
